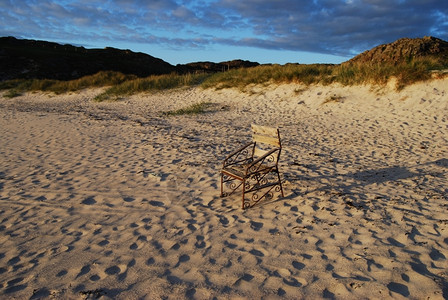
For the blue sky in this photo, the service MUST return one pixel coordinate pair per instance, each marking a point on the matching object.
(266, 31)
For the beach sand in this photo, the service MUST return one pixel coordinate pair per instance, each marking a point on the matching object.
(119, 201)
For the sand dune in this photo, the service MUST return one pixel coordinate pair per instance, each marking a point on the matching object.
(117, 200)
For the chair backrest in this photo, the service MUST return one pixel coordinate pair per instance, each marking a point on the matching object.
(266, 139)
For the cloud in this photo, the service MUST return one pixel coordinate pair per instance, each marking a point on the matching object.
(334, 26)
(324, 26)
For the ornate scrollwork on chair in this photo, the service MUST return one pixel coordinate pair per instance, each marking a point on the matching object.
(254, 167)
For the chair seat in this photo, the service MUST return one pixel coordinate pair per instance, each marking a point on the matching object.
(235, 171)
(239, 171)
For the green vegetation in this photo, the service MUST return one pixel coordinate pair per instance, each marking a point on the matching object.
(346, 74)
(18, 86)
(197, 108)
(150, 84)
(406, 73)
(241, 78)
(12, 93)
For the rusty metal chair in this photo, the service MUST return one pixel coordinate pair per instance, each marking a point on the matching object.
(254, 167)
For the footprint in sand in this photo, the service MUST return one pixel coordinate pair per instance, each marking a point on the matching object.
(256, 225)
(256, 253)
(13, 261)
(398, 288)
(133, 246)
(292, 282)
(128, 199)
(150, 261)
(89, 200)
(245, 278)
(200, 243)
(230, 245)
(182, 259)
(436, 255)
(156, 203)
(192, 227)
(112, 270)
(103, 243)
(15, 285)
(84, 271)
(223, 220)
(122, 276)
(141, 240)
(298, 265)
(42, 293)
(95, 277)
(62, 273)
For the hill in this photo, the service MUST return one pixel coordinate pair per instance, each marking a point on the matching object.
(30, 59)
(47, 60)
(215, 67)
(405, 50)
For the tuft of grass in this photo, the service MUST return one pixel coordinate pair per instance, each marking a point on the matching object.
(334, 99)
(12, 93)
(299, 91)
(194, 109)
(15, 87)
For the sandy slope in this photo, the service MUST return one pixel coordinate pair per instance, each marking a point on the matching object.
(118, 201)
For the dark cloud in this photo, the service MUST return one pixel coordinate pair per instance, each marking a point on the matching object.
(339, 27)
(324, 26)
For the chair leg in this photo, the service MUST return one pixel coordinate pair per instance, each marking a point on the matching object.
(244, 190)
(281, 189)
(222, 183)
(280, 183)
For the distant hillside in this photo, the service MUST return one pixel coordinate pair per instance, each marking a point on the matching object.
(216, 67)
(405, 50)
(46, 60)
(29, 59)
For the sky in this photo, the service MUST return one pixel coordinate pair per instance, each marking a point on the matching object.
(265, 31)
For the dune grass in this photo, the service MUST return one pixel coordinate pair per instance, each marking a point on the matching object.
(266, 74)
(406, 73)
(347, 74)
(150, 84)
(18, 86)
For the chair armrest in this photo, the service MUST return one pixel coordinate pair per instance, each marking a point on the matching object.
(239, 155)
(254, 167)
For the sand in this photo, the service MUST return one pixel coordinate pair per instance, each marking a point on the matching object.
(119, 201)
